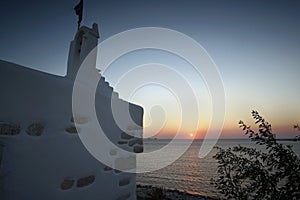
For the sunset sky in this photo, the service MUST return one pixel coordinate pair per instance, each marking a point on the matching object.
(255, 44)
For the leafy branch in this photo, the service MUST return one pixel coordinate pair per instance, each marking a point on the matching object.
(249, 173)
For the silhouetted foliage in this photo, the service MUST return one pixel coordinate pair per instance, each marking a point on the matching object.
(297, 138)
(249, 173)
(157, 193)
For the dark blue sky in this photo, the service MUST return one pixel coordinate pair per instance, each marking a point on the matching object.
(37, 32)
(256, 44)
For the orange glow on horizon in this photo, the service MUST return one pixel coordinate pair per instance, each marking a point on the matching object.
(231, 129)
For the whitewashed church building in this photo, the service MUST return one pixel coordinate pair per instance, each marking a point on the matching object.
(41, 154)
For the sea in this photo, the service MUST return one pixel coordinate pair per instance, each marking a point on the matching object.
(189, 173)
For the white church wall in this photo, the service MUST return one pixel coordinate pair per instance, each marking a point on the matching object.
(43, 157)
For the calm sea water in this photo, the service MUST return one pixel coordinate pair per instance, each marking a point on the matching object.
(190, 173)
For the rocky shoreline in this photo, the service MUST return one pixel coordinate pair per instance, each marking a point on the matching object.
(143, 192)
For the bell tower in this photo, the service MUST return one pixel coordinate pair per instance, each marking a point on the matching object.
(86, 39)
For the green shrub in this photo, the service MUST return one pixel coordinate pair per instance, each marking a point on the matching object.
(249, 173)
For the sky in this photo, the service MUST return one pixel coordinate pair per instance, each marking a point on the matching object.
(255, 45)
